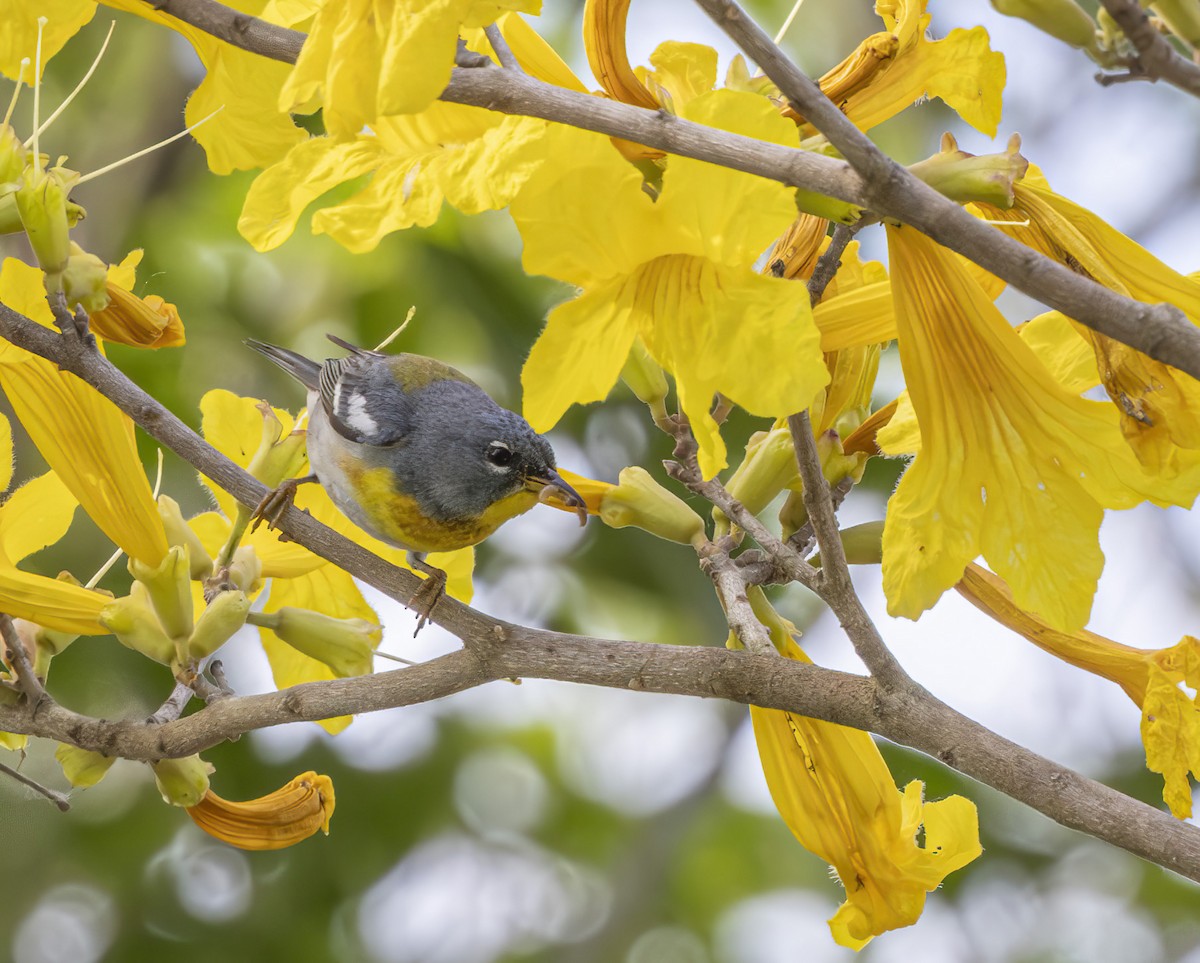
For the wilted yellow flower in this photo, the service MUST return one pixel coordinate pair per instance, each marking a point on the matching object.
(678, 272)
(1012, 466)
(144, 322)
(1159, 405)
(960, 69)
(279, 819)
(837, 796)
(1158, 680)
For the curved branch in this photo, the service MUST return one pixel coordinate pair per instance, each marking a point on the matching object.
(1156, 57)
(495, 649)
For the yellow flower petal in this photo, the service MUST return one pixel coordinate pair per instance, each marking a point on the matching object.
(1161, 681)
(474, 159)
(36, 515)
(960, 69)
(579, 355)
(717, 329)
(250, 130)
(148, 322)
(369, 59)
(1011, 465)
(604, 42)
(280, 194)
(280, 819)
(6, 453)
(234, 426)
(536, 57)
(837, 796)
(86, 440)
(329, 590)
(50, 602)
(18, 39)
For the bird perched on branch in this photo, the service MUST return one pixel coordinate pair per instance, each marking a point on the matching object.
(415, 453)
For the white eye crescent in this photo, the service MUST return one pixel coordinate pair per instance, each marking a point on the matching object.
(500, 455)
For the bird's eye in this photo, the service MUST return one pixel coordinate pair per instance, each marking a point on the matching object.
(500, 454)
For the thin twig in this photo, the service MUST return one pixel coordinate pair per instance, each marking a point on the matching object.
(173, 708)
(508, 60)
(833, 583)
(18, 660)
(730, 585)
(828, 263)
(59, 799)
(1157, 59)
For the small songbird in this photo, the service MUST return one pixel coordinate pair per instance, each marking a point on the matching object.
(416, 453)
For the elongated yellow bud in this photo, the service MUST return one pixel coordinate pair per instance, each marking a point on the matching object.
(966, 177)
(1062, 19)
(644, 377)
(768, 468)
(862, 544)
(221, 618)
(180, 533)
(280, 819)
(347, 646)
(640, 501)
(169, 589)
(148, 322)
(1182, 17)
(134, 622)
(42, 204)
(82, 767)
(182, 782)
(245, 571)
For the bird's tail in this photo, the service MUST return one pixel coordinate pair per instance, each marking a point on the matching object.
(304, 370)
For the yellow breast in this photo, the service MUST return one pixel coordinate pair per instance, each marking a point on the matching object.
(398, 518)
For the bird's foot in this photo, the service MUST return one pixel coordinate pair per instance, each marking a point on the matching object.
(277, 501)
(427, 596)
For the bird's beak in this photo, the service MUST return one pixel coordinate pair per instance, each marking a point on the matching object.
(551, 488)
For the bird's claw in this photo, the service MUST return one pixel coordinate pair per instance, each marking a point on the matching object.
(274, 504)
(425, 599)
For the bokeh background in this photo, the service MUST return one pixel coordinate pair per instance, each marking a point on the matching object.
(546, 822)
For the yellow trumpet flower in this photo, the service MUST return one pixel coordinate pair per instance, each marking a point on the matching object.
(277, 820)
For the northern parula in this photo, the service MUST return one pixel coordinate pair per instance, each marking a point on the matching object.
(416, 453)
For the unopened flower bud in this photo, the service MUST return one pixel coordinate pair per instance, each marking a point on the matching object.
(179, 532)
(964, 177)
(1062, 19)
(862, 544)
(768, 468)
(644, 377)
(277, 457)
(169, 586)
(82, 767)
(182, 782)
(1182, 17)
(347, 646)
(133, 621)
(42, 203)
(84, 280)
(221, 618)
(13, 158)
(245, 571)
(640, 501)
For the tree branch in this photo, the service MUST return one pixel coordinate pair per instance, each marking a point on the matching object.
(876, 182)
(1157, 59)
(910, 717)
